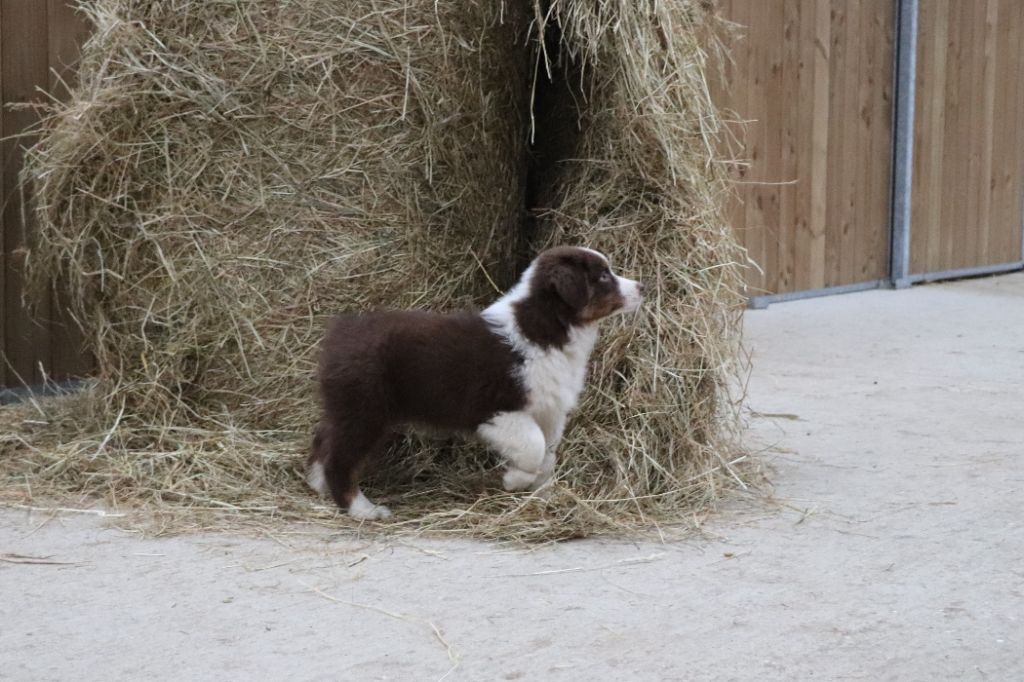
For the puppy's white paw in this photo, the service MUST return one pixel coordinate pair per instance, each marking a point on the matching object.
(316, 479)
(517, 479)
(378, 513)
(361, 508)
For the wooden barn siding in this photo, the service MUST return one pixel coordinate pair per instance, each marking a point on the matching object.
(968, 137)
(39, 44)
(813, 81)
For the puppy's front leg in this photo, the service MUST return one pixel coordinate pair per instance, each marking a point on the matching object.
(517, 438)
(552, 437)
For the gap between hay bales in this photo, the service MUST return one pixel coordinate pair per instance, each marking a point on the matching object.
(228, 175)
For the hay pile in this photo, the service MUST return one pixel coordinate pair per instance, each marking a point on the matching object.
(642, 183)
(229, 175)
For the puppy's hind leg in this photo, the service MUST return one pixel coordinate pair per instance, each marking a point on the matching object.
(348, 447)
(315, 476)
(517, 438)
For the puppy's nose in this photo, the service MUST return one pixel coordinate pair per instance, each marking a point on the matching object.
(640, 287)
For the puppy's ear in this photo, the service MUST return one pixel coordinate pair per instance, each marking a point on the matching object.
(570, 283)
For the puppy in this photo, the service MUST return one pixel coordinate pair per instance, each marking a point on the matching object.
(509, 374)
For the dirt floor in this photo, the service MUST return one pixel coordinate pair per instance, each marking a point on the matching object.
(893, 421)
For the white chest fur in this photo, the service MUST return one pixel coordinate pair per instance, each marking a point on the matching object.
(554, 378)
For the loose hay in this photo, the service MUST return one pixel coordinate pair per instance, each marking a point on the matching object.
(228, 175)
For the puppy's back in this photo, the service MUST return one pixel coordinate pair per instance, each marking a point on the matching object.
(451, 371)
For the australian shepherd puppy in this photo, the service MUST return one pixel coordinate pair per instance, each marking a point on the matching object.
(509, 374)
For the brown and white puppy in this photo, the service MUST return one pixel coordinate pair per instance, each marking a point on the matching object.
(509, 374)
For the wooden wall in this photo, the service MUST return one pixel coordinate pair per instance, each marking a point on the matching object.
(968, 135)
(39, 42)
(813, 80)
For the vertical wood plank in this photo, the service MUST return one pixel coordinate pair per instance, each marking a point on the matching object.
(965, 241)
(789, 172)
(921, 130)
(936, 99)
(984, 109)
(820, 138)
(738, 102)
(1007, 190)
(776, 235)
(3, 203)
(880, 150)
(1012, 228)
(24, 63)
(941, 85)
(736, 98)
(68, 30)
(851, 156)
(863, 224)
(860, 120)
(755, 141)
(951, 172)
(837, 189)
(1000, 151)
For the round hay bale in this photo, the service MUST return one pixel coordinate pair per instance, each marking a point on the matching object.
(638, 178)
(229, 175)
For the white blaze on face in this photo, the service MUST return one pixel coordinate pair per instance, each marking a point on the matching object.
(631, 293)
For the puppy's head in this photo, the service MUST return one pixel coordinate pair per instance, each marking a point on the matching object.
(583, 281)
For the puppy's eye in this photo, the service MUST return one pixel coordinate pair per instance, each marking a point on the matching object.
(605, 277)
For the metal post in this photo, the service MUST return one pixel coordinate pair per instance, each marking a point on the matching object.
(903, 140)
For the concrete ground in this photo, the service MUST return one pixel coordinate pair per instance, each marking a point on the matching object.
(893, 421)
